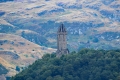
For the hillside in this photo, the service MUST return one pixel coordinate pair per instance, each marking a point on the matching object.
(87, 64)
(16, 53)
(90, 24)
(28, 28)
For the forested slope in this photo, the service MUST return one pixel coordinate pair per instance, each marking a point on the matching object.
(87, 64)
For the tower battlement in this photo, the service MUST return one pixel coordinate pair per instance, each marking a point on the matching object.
(62, 41)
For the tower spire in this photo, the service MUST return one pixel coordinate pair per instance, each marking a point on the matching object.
(61, 28)
(61, 41)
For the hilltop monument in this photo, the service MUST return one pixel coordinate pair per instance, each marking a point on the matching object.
(61, 41)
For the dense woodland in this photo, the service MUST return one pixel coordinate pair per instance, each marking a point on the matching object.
(87, 64)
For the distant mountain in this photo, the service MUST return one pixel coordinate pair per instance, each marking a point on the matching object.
(90, 24)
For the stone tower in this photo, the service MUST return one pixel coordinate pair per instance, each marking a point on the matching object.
(61, 41)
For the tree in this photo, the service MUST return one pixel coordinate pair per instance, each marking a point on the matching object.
(87, 64)
(17, 68)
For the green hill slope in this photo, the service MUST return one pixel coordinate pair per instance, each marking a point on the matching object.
(85, 65)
